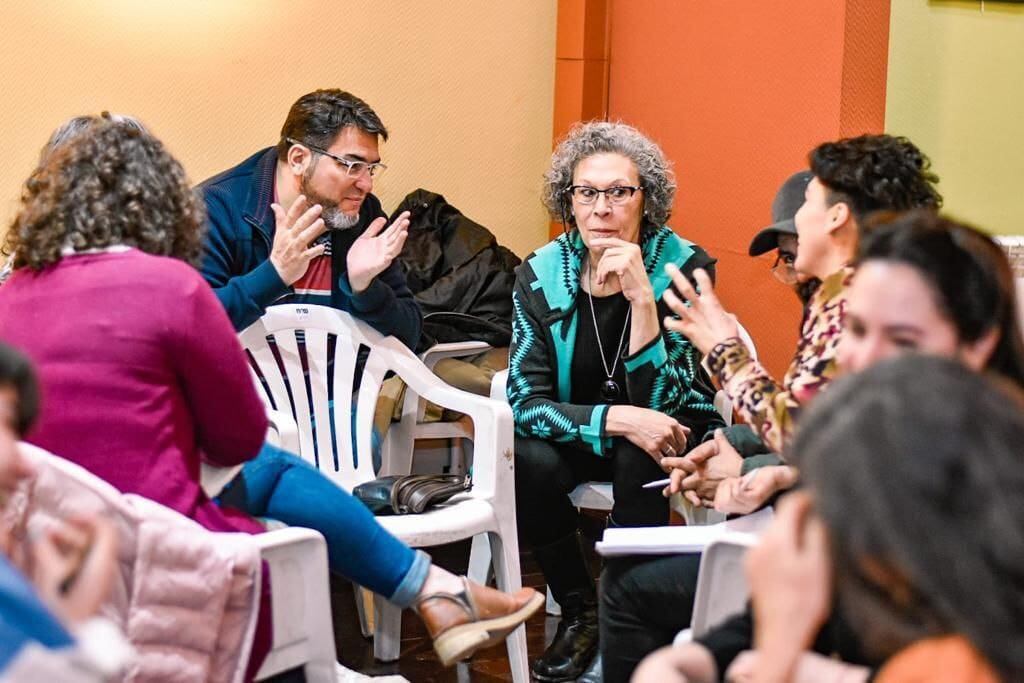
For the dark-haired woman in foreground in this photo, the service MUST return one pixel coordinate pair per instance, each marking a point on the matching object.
(143, 376)
(924, 284)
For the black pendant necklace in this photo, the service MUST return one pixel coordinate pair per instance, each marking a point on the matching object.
(610, 390)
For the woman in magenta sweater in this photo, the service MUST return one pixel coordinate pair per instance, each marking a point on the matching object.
(143, 378)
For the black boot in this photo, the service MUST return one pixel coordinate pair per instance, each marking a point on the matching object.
(576, 640)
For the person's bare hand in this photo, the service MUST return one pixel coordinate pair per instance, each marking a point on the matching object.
(373, 252)
(624, 260)
(704, 321)
(294, 232)
(74, 566)
(743, 495)
(678, 468)
(790, 576)
(654, 432)
(706, 466)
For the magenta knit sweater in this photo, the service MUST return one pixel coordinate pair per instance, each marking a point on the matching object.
(142, 375)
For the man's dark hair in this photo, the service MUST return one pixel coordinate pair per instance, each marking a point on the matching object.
(317, 118)
(16, 372)
(914, 467)
(970, 276)
(875, 172)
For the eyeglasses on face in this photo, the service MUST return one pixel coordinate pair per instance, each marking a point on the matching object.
(618, 194)
(784, 269)
(354, 169)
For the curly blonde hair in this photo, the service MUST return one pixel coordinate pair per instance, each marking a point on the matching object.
(109, 183)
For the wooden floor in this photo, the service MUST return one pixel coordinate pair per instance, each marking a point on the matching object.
(418, 662)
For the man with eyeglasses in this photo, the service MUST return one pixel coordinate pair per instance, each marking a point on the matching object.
(297, 223)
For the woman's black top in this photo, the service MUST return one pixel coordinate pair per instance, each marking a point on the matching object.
(588, 374)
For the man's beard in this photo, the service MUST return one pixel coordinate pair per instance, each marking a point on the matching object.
(334, 217)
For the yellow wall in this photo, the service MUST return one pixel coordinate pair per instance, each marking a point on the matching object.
(464, 86)
(956, 88)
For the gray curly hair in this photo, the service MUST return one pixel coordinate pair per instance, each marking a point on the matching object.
(602, 137)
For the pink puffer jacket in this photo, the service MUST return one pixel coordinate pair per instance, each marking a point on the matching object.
(185, 598)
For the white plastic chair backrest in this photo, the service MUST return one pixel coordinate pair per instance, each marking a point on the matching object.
(327, 335)
(332, 334)
(722, 589)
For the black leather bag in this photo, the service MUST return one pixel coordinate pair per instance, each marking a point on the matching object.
(410, 493)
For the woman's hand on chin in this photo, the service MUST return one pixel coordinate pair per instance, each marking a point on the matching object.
(702, 319)
(625, 261)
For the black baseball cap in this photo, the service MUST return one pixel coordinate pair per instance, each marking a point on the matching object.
(787, 202)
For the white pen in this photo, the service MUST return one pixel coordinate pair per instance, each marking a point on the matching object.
(657, 484)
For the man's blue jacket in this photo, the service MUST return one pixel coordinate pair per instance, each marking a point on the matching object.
(236, 260)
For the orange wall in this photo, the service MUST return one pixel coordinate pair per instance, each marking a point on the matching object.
(737, 93)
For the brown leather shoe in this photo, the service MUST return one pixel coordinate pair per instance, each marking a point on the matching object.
(460, 624)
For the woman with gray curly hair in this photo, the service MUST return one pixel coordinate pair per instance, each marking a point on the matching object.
(598, 388)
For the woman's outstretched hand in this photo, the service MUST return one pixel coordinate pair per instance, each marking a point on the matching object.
(701, 317)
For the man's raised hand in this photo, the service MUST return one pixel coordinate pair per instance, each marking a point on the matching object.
(373, 252)
(294, 232)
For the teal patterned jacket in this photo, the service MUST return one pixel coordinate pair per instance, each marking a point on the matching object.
(665, 375)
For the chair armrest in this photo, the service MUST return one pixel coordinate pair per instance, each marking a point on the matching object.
(300, 602)
(430, 358)
(452, 350)
(498, 385)
(213, 479)
(493, 438)
(282, 431)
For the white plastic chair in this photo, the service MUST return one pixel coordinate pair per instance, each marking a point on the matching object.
(300, 599)
(303, 633)
(331, 335)
(722, 589)
(402, 435)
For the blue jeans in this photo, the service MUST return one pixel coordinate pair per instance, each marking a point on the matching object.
(282, 486)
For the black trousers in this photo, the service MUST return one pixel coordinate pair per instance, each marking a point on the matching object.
(547, 472)
(645, 602)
